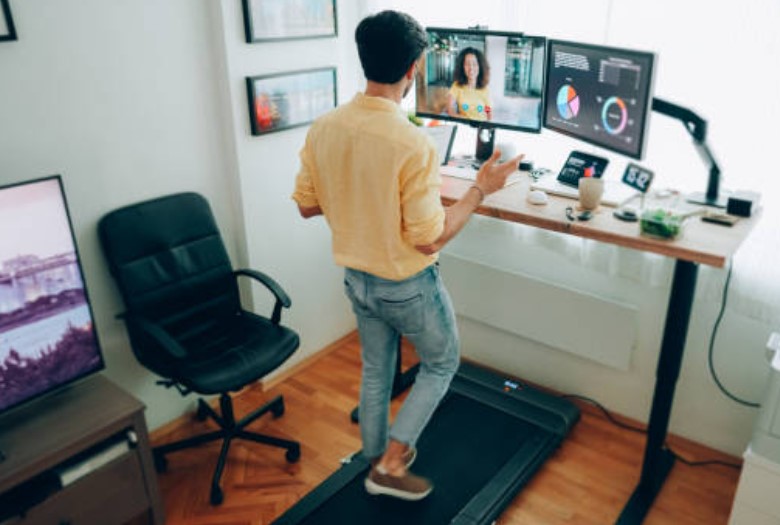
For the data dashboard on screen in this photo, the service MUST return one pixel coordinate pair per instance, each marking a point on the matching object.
(601, 95)
(484, 78)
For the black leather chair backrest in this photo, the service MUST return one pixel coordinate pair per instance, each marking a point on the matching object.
(169, 261)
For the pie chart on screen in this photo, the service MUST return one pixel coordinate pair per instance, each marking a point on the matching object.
(568, 102)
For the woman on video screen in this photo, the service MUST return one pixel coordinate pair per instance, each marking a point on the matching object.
(468, 96)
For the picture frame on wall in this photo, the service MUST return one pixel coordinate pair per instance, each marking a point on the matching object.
(269, 20)
(7, 28)
(291, 99)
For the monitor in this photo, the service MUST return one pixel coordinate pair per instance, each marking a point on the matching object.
(47, 333)
(600, 95)
(485, 78)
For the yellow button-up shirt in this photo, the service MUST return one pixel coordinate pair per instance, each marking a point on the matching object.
(376, 178)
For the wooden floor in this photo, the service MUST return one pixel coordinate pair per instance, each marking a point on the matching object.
(587, 481)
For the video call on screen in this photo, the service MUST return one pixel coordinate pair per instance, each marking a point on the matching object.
(599, 95)
(515, 85)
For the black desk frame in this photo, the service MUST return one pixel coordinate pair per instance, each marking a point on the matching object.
(658, 461)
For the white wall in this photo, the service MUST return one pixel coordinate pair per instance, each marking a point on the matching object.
(132, 100)
(278, 241)
(119, 98)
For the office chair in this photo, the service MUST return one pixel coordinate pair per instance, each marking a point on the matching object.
(185, 320)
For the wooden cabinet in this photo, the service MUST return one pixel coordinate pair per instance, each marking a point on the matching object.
(79, 456)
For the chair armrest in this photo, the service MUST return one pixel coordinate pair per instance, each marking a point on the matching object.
(282, 299)
(168, 344)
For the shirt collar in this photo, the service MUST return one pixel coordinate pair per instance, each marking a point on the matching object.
(377, 104)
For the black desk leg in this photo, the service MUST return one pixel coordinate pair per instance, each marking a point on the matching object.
(658, 460)
(401, 381)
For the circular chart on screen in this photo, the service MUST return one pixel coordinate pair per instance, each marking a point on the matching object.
(568, 102)
(614, 115)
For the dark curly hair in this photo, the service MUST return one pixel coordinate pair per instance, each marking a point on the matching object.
(388, 43)
(484, 68)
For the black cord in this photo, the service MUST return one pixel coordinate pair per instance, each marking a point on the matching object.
(642, 430)
(703, 463)
(710, 359)
(711, 352)
(606, 413)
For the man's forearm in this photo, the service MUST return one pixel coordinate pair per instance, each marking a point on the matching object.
(455, 218)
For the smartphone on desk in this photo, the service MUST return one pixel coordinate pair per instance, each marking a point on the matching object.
(724, 219)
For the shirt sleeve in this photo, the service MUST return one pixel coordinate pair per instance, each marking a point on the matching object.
(305, 193)
(421, 207)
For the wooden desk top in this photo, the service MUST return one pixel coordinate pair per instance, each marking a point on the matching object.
(700, 242)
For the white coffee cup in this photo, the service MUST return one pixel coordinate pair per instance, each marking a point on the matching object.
(591, 190)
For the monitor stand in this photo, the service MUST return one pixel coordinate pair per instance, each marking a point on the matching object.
(699, 197)
(486, 141)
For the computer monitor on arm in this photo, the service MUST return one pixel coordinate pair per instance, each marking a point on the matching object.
(487, 79)
(600, 95)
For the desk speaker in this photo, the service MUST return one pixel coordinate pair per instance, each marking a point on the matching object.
(742, 204)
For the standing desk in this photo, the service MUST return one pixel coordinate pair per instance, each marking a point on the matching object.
(700, 243)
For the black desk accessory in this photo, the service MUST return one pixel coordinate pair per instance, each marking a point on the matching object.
(486, 141)
(638, 177)
(720, 218)
(697, 128)
(626, 214)
(584, 215)
(742, 204)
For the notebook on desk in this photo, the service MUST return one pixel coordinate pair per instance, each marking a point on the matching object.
(615, 192)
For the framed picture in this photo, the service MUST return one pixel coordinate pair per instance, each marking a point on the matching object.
(7, 29)
(290, 100)
(266, 20)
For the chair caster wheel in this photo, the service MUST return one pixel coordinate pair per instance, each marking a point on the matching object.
(217, 497)
(293, 454)
(160, 461)
(278, 409)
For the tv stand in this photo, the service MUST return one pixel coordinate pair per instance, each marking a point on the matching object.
(80, 455)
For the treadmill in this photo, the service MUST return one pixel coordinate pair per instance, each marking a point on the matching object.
(485, 441)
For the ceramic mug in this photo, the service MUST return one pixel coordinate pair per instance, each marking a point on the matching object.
(591, 189)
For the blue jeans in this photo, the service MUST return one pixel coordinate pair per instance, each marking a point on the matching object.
(419, 309)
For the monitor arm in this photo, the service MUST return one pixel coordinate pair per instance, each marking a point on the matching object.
(697, 128)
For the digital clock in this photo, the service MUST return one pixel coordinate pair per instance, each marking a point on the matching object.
(638, 177)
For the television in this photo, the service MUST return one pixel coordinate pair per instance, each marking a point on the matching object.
(47, 333)
(600, 95)
(488, 79)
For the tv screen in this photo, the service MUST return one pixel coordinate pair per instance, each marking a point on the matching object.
(485, 78)
(47, 333)
(601, 95)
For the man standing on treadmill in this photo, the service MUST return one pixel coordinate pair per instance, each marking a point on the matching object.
(375, 177)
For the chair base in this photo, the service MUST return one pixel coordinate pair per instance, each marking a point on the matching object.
(229, 429)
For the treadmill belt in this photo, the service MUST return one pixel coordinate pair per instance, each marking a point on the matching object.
(483, 444)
